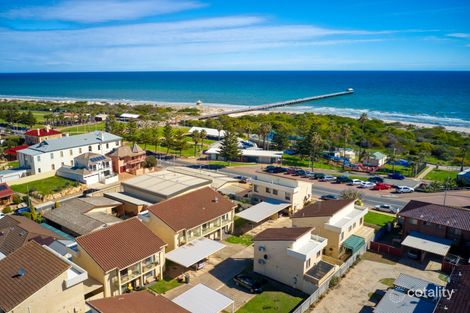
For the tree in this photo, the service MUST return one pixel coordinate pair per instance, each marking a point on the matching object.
(362, 120)
(263, 131)
(345, 134)
(196, 138)
(150, 162)
(351, 194)
(180, 143)
(155, 137)
(281, 139)
(28, 119)
(219, 128)
(314, 145)
(203, 135)
(168, 137)
(463, 150)
(146, 136)
(131, 130)
(229, 150)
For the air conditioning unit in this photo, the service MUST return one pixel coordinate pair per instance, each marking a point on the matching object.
(261, 248)
(261, 261)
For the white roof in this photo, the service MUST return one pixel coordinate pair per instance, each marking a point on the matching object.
(129, 115)
(262, 210)
(202, 299)
(251, 152)
(194, 251)
(211, 132)
(126, 198)
(427, 243)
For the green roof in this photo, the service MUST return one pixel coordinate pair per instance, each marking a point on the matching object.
(354, 243)
(379, 155)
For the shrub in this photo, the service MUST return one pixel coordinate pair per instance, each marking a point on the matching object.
(334, 282)
(150, 162)
(6, 210)
(16, 199)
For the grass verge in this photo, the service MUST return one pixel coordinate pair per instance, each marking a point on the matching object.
(271, 302)
(378, 219)
(165, 284)
(45, 186)
(246, 240)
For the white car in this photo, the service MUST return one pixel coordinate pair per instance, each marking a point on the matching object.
(404, 189)
(366, 184)
(356, 182)
(1, 215)
(386, 208)
(328, 178)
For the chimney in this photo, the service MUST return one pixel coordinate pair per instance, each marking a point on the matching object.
(38, 131)
(48, 128)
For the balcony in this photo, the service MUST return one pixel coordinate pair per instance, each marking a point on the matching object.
(147, 267)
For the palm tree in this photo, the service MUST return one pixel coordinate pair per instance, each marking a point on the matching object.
(202, 135)
(314, 143)
(263, 131)
(196, 139)
(464, 154)
(362, 120)
(345, 133)
(219, 127)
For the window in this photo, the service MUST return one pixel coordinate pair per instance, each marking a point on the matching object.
(53, 166)
(52, 156)
(361, 221)
(268, 190)
(99, 147)
(255, 188)
(350, 227)
(39, 158)
(426, 223)
(205, 226)
(413, 221)
(107, 145)
(275, 192)
(341, 237)
(39, 170)
(117, 143)
(62, 163)
(71, 152)
(71, 162)
(287, 196)
(61, 154)
(80, 150)
(318, 254)
(90, 148)
(307, 264)
(354, 225)
(455, 231)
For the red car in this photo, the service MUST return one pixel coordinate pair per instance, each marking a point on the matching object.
(382, 186)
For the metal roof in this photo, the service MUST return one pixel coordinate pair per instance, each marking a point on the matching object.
(210, 132)
(413, 283)
(262, 210)
(354, 243)
(395, 301)
(427, 243)
(194, 251)
(120, 196)
(202, 299)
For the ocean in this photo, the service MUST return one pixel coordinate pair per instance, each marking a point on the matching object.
(438, 98)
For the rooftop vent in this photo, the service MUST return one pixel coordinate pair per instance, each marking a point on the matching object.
(21, 272)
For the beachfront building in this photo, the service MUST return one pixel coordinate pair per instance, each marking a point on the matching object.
(128, 159)
(122, 257)
(348, 153)
(292, 256)
(285, 189)
(35, 136)
(249, 153)
(376, 159)
(211, 133)
(6, 194)
(36, 279)
(341, 222)
(50, 155)
(128, 117)
(89, 168)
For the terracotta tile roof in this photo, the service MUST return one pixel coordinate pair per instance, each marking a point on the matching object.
(40, 268)
(42, 132)
(127, 151)
(460, 300)
(282, 234)
(5, 190)
(13, 150)
(322, 208)
(192, 209)
(136, 302)
(121, 244)
(16, 231)
(437, 214)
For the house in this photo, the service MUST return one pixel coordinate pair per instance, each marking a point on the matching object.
(348, 153)
(285, 189)
(50, 155)
(6, 194)
(248, 155)
(135, 302)
(101, 117)
(340, 221)
(440, 227)
(35, 136)
(17, 231)
(459, 283)
(292, 256)
(35, 279)
(464, 177)
(12, 175)
(375, 159)
(182, 219)
(128, 159)
(121, 257)
(80, 216)
(89, 168)
(162, 185)
(130, 206)
(128, 116)
(12, 153)
(211, 133)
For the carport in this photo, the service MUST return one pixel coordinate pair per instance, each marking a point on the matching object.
(194, 251)
(427, 243)
(202, 299)
(263, 210)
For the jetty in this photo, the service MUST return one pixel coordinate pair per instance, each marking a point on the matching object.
(277, 104)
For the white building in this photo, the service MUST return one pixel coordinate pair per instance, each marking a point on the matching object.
(249, 152)
(52, 154)
(210, 132)
(90, 168)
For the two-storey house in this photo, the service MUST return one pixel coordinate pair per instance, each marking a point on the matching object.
(35, 136)
(128, 159)
(90, 168)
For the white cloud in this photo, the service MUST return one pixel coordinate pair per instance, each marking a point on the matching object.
(92, 11)
(459, 35)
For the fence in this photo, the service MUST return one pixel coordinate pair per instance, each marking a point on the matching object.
(323, 288)
(384, 248)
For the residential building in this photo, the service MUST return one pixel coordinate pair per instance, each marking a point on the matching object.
(211, 133)
(158, 186)
(464, 177)
(50, 155)
(128, 159)
(35, 136)
(35, 279)
(130, 206)
(6, 194)
(182, 219)
(12, 175)
(89, 168)
(285, 189)
(80, 216)
(122, 257)
(135, 302)
(376, 159)
(292, 256)
(247, 155)
(101, 117)
(128, 116)
(459, 302)
(340, 221)
(443, 227)
(17, 231)
(12, 153)
(348, 153)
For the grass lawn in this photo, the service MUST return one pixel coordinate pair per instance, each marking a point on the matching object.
(440, 175)
(387, 281)
(378, 219)
(224, 164)
(388, 168)
(82, 129)
(293, 160)
(271, 302)
(164, 285)
(44, 186)
(246, 240)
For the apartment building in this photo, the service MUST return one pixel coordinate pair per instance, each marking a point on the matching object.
(340, 221)
(122, 257)
(292, 256)
(295, 192)
(49, 155)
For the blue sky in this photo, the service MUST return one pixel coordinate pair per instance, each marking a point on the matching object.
(120, 35)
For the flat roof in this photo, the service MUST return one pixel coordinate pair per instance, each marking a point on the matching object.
(194, 251)
(427, 243)
(218, 179)
(210, 132)
(123, 197)
(202, 299)
(395, 301)
(262, 210)
(350, 216)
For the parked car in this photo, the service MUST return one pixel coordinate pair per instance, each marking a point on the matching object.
(328, 178)
(319, 175)
(386, 208)
(356, 182)
(270, 168)
(382, 186)
(396, 175)
(1, 215)
(329, 197)
(300, 172)
(366, 184)
(343, 179)
(248, 282)
(308, 174)
(242, 179)
(376, 179)
(404, 189)
(413, 254)
(292, 170)
(22, 210)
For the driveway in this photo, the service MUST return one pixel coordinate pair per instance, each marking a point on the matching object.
(352, 293)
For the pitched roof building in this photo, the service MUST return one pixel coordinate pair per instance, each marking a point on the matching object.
(35, 136)
(128, 159)
(322, 208)
(460, 300)
(282, 234)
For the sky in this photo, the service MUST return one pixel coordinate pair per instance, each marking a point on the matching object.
(180, 35)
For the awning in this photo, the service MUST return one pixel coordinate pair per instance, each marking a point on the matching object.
(262, 210)
(427, 243)
(194, 251)
(202, 299)
(354, 243)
